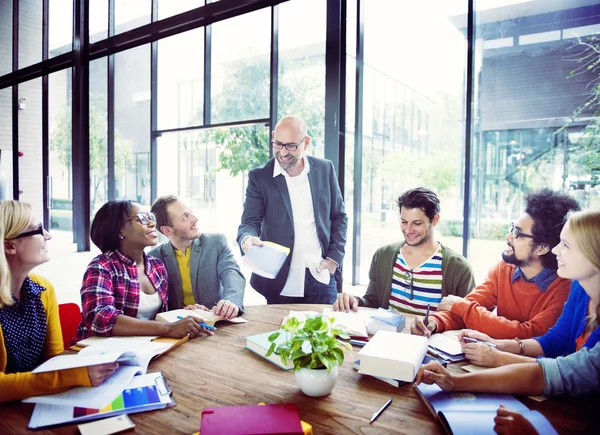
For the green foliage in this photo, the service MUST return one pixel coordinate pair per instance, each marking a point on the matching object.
(60, 142)
(437, 172)
(587, 152)
(245, 95)
(311, 344)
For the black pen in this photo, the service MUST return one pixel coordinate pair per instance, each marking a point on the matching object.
(385, 405)
(426, 321)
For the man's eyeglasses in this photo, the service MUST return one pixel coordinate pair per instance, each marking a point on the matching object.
(288, 146)
(516, 233)
(143, 217)
(39, 230)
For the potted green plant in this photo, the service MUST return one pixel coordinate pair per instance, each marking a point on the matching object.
(315, 351)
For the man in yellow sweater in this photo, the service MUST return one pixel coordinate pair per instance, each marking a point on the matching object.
(202, 270)
(523, 287)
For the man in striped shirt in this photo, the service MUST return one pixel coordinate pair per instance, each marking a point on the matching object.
(418, 272)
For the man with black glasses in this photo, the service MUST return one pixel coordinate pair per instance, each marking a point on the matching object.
(523, 288)
(415, 274)
(295, 200)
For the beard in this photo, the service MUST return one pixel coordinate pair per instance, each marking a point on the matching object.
(290, 163)
(519, 262)
(187, 235)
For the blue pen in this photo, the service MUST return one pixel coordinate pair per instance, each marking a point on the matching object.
(204, 325)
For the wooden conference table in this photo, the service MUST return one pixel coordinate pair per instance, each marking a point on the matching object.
(219, 371)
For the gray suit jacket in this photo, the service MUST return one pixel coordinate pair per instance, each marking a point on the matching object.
(268, 215)
(214, 272)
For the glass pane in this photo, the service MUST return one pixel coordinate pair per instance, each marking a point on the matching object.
(99, 134)
(6, 36)
(208, 169)
(30, 139)
(533, 126)
(131, 14)
(98, 20)
(240, 67)
(30, 32)
(181, 80)
(412, 118)
(302, 67)
(61, 146)
(168, 8)
(132, 125)
(6, 172)
(60, 37)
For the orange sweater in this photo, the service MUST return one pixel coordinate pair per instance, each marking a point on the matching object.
(524, 311)
(18, 386)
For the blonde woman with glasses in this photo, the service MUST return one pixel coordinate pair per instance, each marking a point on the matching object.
(123, 288)
(30, 330)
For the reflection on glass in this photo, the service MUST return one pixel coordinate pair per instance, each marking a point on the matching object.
(132, 125)
(30, 138)
(60, 117)
(302, 67)
(170, 8)
(412, 117)
(240, 67)
(6, 29)
(208, 170)
(181, 80)
(98, 27)
(6, 145)
(131, 14)
(30, 32)
(60, 27)
(98, 134)
(532, 125)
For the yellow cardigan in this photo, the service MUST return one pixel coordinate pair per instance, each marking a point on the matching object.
(18, 386)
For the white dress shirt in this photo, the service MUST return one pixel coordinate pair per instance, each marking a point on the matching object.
(307, 249)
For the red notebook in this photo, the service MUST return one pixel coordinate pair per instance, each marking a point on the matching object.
(251, 420)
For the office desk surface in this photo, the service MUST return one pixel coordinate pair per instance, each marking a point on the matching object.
(219, 371)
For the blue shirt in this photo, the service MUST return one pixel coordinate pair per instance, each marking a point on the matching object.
(24, 328)
(576, 374)
(560, 339)
(542, 279)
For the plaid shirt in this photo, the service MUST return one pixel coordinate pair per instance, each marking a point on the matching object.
(111, 287)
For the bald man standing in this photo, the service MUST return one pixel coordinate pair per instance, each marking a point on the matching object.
(295, 200)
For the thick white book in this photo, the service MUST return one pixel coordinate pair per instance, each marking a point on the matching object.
(393, 355)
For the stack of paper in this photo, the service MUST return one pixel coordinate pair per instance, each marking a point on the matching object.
(266, 260)
(446, 348)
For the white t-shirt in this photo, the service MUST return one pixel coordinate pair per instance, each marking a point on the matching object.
(149, 306)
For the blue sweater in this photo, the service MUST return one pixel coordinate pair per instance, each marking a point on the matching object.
(560, 339)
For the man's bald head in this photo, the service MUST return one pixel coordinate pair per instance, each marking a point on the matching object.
(293, 122)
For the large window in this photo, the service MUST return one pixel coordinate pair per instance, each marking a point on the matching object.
(412, 118)
(181, 80)
(240, 67)
(6, 19)
(302, 67)
(132, 125)
(60, 33)
(534, 76)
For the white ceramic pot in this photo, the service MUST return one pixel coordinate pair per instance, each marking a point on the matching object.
(317, 383)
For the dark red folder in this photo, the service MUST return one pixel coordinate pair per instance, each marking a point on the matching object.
(251, 420)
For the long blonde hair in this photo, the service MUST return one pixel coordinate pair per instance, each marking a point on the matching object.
(585, 227)
(15, 217)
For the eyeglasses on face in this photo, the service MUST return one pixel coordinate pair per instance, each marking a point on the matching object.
(288, 146)
(39, 230)
(143, 217)
(516, 233)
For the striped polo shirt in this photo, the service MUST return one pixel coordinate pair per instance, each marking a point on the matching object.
(414, 289)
